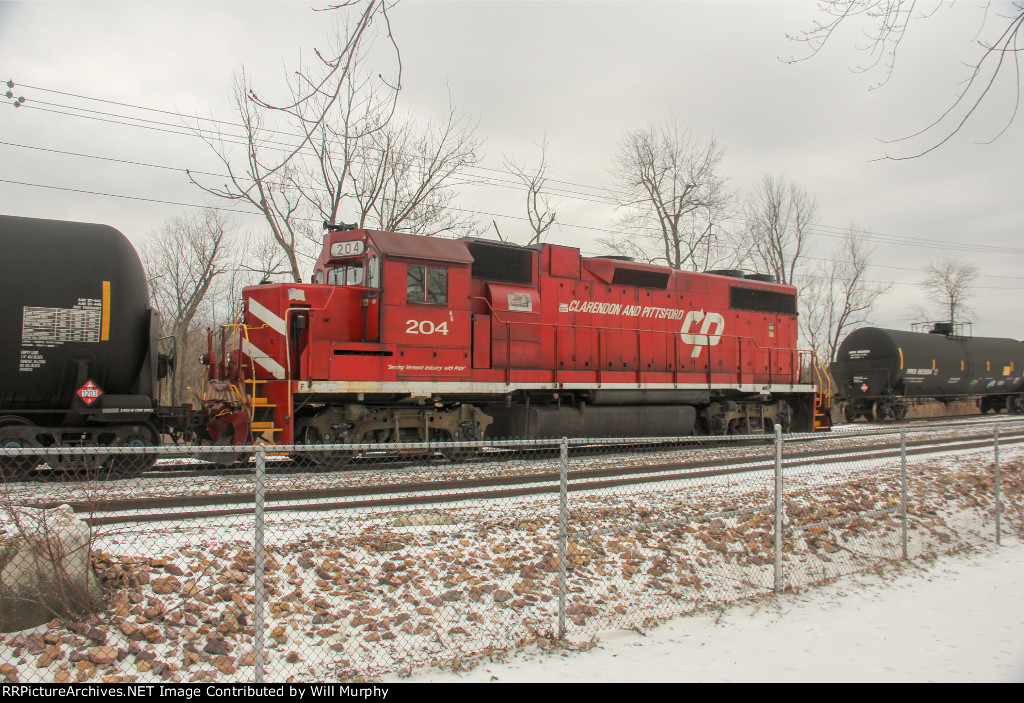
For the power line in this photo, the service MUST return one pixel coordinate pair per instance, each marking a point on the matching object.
(491, 181)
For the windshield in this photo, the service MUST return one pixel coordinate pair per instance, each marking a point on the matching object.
(346, 275)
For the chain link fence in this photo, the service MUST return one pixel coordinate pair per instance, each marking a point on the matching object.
(348, 562)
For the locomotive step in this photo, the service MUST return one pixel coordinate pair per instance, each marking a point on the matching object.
(264, 427)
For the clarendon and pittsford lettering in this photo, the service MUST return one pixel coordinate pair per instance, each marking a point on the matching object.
(699, 328)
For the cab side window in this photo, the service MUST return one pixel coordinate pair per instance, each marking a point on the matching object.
(427, 285)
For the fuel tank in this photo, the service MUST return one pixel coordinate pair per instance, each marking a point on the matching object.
(528, 422)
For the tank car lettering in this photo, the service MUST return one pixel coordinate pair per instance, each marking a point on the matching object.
(859, 353)
(50, 327)
(30, 359)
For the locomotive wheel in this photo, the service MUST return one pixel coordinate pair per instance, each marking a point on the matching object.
(331, 459)
(17, 468)
(460, 454)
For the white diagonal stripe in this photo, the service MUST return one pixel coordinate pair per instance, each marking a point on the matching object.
(266, 317)
(263, 359)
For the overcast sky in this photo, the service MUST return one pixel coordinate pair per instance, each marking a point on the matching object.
(579, 73)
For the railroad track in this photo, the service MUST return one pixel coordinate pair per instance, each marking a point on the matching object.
(803, 453)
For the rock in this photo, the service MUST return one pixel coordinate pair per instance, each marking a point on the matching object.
(501, 595)
(438, 517)
(168, 584)
(34, 643)
(218, 645)
(223, 664)
(49, 656)
(131, 631)
(45, 569)
(102, 656)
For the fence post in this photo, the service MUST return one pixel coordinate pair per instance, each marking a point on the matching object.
(903, 487)
(998, 501)
(563, 526)
(260, 556)
(563, 522)
(778, 508)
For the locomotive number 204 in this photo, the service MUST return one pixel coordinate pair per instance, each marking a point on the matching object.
(425, 327)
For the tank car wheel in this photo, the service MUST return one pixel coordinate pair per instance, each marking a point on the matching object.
(900, 412)
(21, 467)
(850, 413)
(133, 464)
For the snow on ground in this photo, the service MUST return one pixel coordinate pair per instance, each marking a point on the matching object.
(364, 594)
(960, 618)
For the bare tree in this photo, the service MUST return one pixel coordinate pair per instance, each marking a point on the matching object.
(539, 208)
(997, 52)
(183, 259)
(322, 97)
(673, 197)
(950, 284)
(402, 179)
(779, 215)
(837, 296)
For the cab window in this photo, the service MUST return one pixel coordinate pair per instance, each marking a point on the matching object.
(346, 275)
(372, 272)
(427, 285)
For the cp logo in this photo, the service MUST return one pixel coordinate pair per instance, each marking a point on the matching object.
(706, 336)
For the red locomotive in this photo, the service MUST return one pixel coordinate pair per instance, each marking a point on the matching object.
(408, 338)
